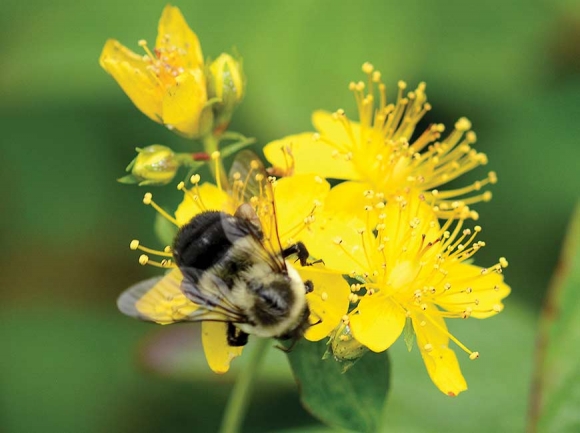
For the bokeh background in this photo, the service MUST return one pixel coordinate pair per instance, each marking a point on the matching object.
(70, 362)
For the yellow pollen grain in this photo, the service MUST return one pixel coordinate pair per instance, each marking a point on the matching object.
(497, 308)
(337, 240)
(134, 244)
(423, 323)
(474, 355)
(324, 296)
(428, 347)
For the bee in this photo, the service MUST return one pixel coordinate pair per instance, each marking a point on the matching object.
(231, 268)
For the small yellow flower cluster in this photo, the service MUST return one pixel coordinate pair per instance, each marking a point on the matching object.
(402, 241)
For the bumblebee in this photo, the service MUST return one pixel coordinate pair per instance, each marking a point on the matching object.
(231, 268)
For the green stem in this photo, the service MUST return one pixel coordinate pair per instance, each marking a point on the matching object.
(240, 396)
(210, 145)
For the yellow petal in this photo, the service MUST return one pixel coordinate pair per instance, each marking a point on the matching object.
(334, 130)
(130, 72)
(379, 322)
(183, 102)
(173, 32)
(440, 361)
(218, 352)
(328, 302)
(337, 242)
(347, 200)
(209, 197)
(470, 289)
(296, 198)
(308, 155)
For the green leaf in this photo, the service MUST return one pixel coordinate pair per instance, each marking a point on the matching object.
(129, 179)
(353, 400)
(164, 230)
(556, 394)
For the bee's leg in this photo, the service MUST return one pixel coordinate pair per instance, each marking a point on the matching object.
(300, 250)
(308, 286)
(236, 337)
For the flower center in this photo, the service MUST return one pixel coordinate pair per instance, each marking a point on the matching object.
(403, 274)
(165, 63)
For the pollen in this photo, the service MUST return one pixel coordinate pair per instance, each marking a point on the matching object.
(143, 259)
(195, 178)
(428, 347)
(134, 244)
(324, 296)
(147, 198)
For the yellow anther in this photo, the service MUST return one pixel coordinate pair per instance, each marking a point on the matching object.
(367, 68)
(474, 355)
(143, 259)
(376, 77)
(463, 124)
(147, 198)
(503, 262)
(180, 186)
(402, 85)
(477, 228)
(167, 249)
(215, 155)
(134, 244)
(338, 240)
(345, 319)
(428, 347)
(259, 177)
(142, 42)
(497, 308)
(492, 176)
(324, 296)
(195, 178)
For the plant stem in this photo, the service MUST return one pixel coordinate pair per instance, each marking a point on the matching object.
(240, 397)
(210, 145)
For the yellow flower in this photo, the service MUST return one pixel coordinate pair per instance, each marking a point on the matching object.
(409, 268)
(380, 152)
(167, 84)
(298, 200)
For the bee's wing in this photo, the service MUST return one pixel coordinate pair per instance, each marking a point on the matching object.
(255, 203)
(162, 300)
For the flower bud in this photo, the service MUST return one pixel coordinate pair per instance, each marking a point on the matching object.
(154, 165)
(344, 347)
(227, 86)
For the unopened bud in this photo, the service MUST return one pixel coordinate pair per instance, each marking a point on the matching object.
(154, 165)
(227, 84)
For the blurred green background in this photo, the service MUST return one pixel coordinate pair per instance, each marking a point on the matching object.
(70, 362)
